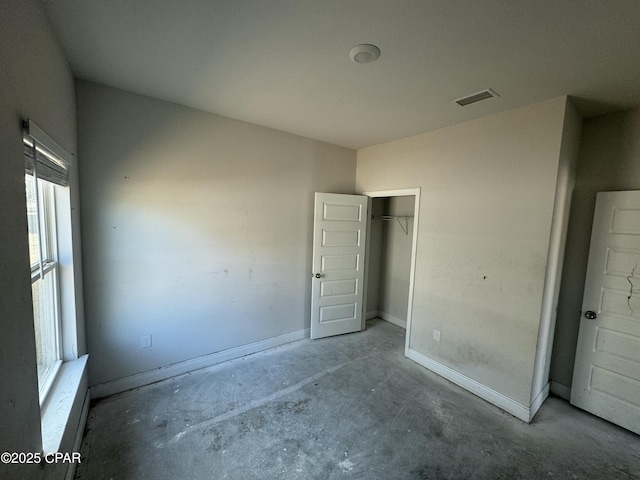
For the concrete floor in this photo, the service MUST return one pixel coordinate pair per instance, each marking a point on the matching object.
(347, 407)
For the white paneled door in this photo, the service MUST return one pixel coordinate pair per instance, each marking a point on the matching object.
(606, 378)
(339, 242)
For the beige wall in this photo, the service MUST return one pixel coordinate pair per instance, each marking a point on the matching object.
(396, 258)
(197, 229)
(609, 160)
(389, 261)
(487, 202)
(35, 82)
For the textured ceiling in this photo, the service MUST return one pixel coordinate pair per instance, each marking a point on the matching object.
(285, 64)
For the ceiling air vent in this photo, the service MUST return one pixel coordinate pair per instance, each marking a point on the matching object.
(476, 97)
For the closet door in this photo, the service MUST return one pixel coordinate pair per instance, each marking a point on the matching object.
(339, 242)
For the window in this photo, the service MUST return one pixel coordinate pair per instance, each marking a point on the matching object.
(55, 274)
(45, 173)
(44, 279)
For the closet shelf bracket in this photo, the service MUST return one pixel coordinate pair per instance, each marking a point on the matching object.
(402, 221)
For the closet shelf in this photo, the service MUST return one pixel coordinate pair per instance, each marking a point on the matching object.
(405, 227)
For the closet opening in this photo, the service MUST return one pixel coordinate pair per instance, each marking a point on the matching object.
(391, 256)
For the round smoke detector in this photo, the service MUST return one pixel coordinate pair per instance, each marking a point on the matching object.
(364, 53)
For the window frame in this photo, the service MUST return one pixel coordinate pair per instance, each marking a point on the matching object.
(54, 318)
(67, 395)
(43, 270)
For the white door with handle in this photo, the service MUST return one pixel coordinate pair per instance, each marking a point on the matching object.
(606, 378)
(339, 243)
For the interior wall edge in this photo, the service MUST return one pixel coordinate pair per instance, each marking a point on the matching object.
(565, 185)
(538, 401)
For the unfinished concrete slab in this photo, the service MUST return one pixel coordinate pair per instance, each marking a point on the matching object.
(351, 407)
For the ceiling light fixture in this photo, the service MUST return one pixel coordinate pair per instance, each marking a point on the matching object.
(364, 53)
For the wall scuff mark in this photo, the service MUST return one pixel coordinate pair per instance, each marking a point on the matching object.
(629, 278)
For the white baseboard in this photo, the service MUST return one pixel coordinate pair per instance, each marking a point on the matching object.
(372, 314)
(77, 441)
(391, 319)
(561, 390)
(145, 378)
(501, 401)
(538, 401)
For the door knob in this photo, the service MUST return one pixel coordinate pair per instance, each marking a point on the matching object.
(590, 315)
(317, 275)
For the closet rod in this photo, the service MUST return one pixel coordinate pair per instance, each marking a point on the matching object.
(405, 227)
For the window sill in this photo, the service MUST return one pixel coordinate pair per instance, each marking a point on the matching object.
(50, 379)
(69, 386)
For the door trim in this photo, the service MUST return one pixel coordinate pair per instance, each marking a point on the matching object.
(414, 248)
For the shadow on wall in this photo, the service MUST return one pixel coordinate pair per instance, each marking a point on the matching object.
(197, 229)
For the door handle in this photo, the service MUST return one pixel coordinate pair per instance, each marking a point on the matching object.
(590, 315)
(317, 275)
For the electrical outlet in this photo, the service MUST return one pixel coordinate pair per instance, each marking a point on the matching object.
(145, 341)
(436, 335)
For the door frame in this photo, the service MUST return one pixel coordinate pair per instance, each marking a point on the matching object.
(414, 247)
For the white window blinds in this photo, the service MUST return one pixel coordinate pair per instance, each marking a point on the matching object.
(43, 157)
